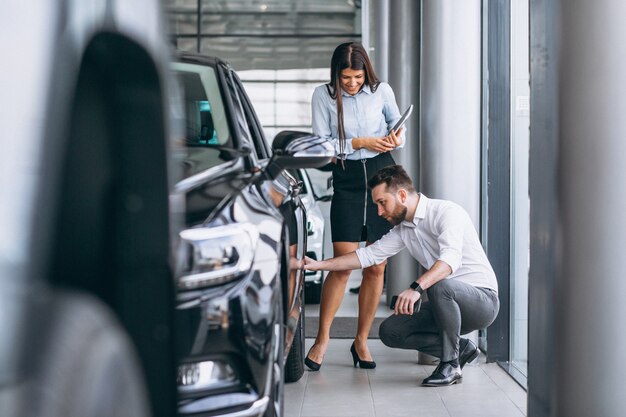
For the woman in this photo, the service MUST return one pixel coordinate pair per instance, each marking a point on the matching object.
(355, 111)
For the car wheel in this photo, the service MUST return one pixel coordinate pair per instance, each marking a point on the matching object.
(294, 368)
(275, 407)
(87, 366)
(313, 292)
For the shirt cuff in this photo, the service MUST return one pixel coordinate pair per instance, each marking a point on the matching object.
(402, 140)
(453, 261)
(364, 259)
(348, 148)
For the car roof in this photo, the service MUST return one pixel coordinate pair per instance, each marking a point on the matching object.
(194, 58)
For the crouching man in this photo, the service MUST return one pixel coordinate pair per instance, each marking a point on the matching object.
(460, 282)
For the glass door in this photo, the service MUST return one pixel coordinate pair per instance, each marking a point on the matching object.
(520, 202)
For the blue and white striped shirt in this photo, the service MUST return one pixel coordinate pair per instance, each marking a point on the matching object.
(365, 114)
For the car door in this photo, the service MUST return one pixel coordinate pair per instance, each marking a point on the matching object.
(294, 213)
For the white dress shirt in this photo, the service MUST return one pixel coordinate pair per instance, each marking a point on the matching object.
(365, 114)
(440, 230)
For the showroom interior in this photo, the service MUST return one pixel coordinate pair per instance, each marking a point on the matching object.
(484, 75)
(518, 117)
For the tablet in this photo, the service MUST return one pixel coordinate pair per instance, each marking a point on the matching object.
(402, 120)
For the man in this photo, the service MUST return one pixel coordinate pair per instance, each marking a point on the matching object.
(460, 282)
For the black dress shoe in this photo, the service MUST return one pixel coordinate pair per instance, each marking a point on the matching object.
(355, 290)
(363, 364)
(467, 353)
(312, 365)
(444, 375)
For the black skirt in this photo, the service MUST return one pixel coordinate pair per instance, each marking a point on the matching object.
(353, 214)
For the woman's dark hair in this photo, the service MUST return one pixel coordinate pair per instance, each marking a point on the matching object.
(349, 55)
(395, 177)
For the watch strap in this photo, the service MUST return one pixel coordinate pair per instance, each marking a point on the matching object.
(416, 286)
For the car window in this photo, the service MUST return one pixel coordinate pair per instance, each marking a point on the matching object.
(207, 132)
(262, 149)
(244, 116)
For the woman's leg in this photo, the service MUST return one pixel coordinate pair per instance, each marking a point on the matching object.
(369, 298)
(332, 295)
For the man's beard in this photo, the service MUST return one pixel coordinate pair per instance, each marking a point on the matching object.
(398, 215)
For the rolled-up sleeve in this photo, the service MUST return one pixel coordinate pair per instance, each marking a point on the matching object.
(451, 227)
(383, 248)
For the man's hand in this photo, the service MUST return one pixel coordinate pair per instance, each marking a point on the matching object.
(406, 301)
(296, 263)
(312, 264)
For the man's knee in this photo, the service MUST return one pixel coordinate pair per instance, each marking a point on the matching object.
(388, 333)
(440, 289)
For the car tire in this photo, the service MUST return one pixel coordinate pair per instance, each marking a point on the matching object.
(275, 408)
(294, 368)
(313, 292)
(86, 367)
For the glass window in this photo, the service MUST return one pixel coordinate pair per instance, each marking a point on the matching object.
(520, 202)
(283, 97)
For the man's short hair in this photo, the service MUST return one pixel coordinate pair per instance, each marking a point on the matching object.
(395, 177)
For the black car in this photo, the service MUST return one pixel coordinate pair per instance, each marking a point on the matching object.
(239, 276)
(86, 294)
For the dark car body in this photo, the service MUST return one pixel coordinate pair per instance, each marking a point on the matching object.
(239, 276)
(86, 294)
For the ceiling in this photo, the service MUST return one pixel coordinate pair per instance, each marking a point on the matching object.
(270, 34)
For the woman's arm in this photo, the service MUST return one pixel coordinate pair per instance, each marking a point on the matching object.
(321, 122)
(392, 115)
(381, 144)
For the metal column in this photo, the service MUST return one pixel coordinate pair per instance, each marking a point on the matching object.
(590, 285)
(379, 37)
(451, 102)
(543, 207)
(450, 129)
(403, 69)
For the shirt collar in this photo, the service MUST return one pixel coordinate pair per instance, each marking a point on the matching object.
(420, 212)
(365, 89)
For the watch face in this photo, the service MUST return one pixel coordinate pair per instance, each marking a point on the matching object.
(417, 287)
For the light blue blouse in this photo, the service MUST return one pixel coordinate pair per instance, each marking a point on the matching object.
(365, 114)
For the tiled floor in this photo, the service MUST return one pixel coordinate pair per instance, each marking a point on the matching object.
(393, 388)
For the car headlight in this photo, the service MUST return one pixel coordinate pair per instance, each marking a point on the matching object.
(216, 255)
(199, 376)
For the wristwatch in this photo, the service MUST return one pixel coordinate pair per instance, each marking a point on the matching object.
(416, 286)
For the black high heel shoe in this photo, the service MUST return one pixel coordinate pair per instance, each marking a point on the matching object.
(312, 365)
(363, 364)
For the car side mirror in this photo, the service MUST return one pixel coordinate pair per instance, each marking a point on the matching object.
(293, 149)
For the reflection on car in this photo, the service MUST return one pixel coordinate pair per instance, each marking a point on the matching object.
(316, 201)
(86, 295)
(239, 256)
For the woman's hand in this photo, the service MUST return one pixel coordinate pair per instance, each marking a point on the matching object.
(373, 144)
(394, 138)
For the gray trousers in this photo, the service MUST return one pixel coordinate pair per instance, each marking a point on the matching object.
(453, 308)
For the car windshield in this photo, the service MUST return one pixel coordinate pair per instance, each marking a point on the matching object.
(207, 138)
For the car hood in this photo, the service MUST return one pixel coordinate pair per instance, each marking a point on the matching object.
(207, 192)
